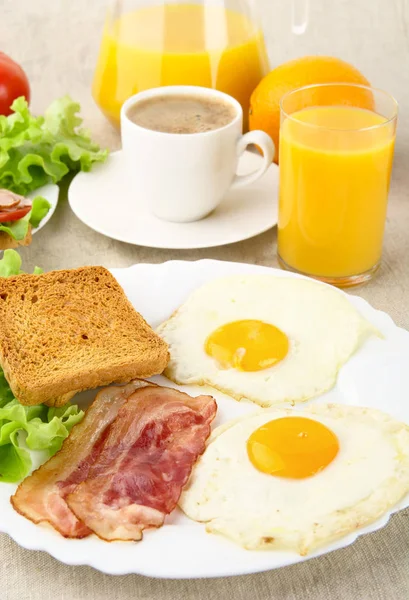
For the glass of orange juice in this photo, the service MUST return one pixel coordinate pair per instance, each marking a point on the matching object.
(336, 152)
(153, 43)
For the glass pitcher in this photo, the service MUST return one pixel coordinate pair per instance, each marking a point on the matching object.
(210, 43)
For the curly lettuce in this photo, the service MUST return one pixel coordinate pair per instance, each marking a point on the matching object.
(35, 151)
(25, 428)
(10, 265)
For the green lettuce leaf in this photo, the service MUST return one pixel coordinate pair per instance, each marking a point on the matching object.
(35, 151)
(39, 209)
(6, 395)
(10, 265)
(30, 427)
(15, 461)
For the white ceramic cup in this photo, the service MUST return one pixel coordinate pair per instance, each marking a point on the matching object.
(183, 177)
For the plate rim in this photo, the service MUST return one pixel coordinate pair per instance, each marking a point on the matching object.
(62, 550)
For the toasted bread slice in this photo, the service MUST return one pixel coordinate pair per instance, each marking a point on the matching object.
(66, 331)
(6, 241)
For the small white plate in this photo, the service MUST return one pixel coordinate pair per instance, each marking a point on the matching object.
(376, 376)
(103, 200)
(49, 192)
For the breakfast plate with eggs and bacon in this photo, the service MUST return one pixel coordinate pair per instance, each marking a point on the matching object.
(257, 418)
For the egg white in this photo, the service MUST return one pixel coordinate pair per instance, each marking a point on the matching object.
(369, 475)
(323, 327)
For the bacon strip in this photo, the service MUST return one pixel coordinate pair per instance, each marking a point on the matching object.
(42, 496)
(146, 459)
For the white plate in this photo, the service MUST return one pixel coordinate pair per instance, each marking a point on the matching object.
(49, 192)
(376, 376)
(103, 201)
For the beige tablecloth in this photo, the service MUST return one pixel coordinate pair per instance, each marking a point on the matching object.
(57, 42)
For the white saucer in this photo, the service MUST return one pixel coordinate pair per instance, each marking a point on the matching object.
(102, 200)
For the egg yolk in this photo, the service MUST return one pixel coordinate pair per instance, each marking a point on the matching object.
(292, 447)
(247, 345)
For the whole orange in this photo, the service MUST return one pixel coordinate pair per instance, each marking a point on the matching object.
(265, 100)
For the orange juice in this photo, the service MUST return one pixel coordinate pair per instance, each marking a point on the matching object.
(335, 166)
(178, 44)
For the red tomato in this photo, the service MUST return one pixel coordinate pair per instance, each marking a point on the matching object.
(14, 215)
(13, 83)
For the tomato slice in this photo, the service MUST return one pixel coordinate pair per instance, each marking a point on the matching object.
(14, 215)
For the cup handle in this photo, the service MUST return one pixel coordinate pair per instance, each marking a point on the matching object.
(266, 144)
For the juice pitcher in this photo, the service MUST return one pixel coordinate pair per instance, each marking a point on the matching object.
(210, 43)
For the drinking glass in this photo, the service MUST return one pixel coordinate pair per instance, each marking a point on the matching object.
(336, 153)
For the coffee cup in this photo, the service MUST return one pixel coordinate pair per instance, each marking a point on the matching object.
(181, 147)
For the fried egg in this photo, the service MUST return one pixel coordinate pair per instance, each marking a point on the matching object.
(264, 338)
(295, 480)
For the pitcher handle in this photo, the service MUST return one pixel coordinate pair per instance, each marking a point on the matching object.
(300, 13)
